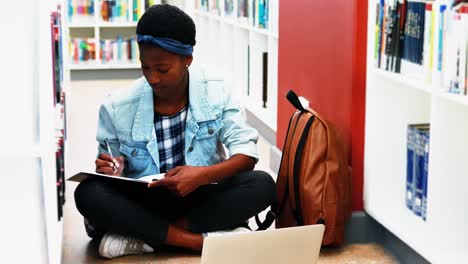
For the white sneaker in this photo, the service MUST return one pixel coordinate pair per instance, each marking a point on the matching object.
(240, 229)
(113, 245)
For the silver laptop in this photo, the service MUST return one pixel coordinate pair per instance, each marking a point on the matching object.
(278, 246)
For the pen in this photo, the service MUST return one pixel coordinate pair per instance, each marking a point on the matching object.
(106, 141)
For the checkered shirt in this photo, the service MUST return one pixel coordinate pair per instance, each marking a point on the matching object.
(170, 133)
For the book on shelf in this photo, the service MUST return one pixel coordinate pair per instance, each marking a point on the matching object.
(263, 18)
(119, 50)
(82, 50)
(201, 5)
(243, 11)
(406, 32)
(259, 13)
(114, 10)
(412, 57)
(215, 7)
(59, 108)
(136, 10)
(410, 143)
(150, 3)
(417, 169)
(454, 64)
(265, 79)
(80, 10)
(229, 8)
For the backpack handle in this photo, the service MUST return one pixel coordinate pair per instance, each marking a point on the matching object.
(294, 100)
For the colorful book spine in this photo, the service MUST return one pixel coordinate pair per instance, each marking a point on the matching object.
(418, 172)
(431, 45)
(136, 10)
(383, 36)
(377, 33)
(82, 50)
(410, 167)
(228, 7)
(80, 10)
(417, 169)
(117, 10)
(425, 178)
(442, 10)
(119, 50)
(426, 42)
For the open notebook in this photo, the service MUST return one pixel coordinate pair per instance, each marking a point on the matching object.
(145, 179)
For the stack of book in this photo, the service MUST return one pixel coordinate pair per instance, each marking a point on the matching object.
(417, 169)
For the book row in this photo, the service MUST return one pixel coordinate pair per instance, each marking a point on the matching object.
(424, 40)
(117, 50)
(107, 10)
(252, 12)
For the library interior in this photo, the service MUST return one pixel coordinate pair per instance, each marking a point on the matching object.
(234, 124)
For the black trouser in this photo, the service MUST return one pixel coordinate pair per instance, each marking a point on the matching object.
(132, 209)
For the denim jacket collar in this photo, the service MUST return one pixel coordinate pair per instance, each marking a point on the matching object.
(199, 108)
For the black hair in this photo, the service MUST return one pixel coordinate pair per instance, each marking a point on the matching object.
(167, 21)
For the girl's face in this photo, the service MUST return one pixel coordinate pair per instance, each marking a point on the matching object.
(164, 71)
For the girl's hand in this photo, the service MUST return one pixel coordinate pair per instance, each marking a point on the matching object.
(181, 180)
(105, 164)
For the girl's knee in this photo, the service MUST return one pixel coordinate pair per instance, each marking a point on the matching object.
(265, 185)
(86, 192)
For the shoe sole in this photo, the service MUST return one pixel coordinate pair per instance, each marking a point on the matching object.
(102, 248)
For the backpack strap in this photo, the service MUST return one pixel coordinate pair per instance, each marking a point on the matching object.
(282, 193)
(282, 180)
(294, 100)
(297, 166)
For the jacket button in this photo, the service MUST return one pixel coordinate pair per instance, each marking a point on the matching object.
(134, 153)
(210, 131)
(190, 149)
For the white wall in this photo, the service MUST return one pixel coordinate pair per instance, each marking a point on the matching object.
(22, 226)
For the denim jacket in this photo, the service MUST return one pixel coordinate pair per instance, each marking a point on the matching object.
(213, 120)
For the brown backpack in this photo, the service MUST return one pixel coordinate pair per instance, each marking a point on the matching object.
(314, 179)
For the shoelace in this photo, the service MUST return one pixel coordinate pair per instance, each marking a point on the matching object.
(132, 245)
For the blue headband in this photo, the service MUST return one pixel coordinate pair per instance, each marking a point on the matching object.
(168, 44)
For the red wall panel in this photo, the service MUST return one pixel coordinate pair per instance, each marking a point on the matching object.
(317, 60)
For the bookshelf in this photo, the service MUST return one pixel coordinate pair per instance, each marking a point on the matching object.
(88, 26)
(242, 49)
(393, 101)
